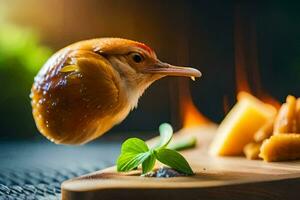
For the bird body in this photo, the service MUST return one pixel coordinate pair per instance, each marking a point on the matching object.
(85, 89)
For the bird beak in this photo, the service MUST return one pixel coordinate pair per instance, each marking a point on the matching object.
(170, 70)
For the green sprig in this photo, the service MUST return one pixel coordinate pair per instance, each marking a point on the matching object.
(135, 152)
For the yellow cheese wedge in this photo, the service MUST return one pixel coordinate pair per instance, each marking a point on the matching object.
(240, 125)
(281, 147)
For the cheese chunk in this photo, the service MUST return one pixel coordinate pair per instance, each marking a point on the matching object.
(240, 125)
(252, 150)
(281, 147)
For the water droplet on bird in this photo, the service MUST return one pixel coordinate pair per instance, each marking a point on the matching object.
(193, 78)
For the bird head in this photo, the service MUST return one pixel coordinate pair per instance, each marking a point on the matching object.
(88, 87)
(138, 64)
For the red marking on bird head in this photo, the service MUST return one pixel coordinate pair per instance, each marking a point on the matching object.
(145, 47)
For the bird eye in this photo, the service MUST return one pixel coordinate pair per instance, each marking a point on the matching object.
(136, 57)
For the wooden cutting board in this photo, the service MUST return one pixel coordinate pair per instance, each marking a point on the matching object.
(216, 178)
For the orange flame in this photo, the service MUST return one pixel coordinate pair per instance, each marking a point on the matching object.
(191, 116)
(226, 105)
(246, 58)
(242, 83)
(270, 100)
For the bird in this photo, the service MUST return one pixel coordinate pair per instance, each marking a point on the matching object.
(86, 88)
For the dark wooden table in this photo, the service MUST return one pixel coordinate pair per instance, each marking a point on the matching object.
(216, 178)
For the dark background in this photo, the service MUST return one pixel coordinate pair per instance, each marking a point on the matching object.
(192, 33)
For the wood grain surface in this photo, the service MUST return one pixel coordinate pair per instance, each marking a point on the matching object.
(216, 178)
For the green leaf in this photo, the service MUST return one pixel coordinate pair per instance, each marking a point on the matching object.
(149, 163)
(134, 152)
(166, 133)
(134, 145)
(129, 161)
(173, 159)
(183, 143)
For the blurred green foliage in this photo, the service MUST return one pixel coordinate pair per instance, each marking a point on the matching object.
(21, 56)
